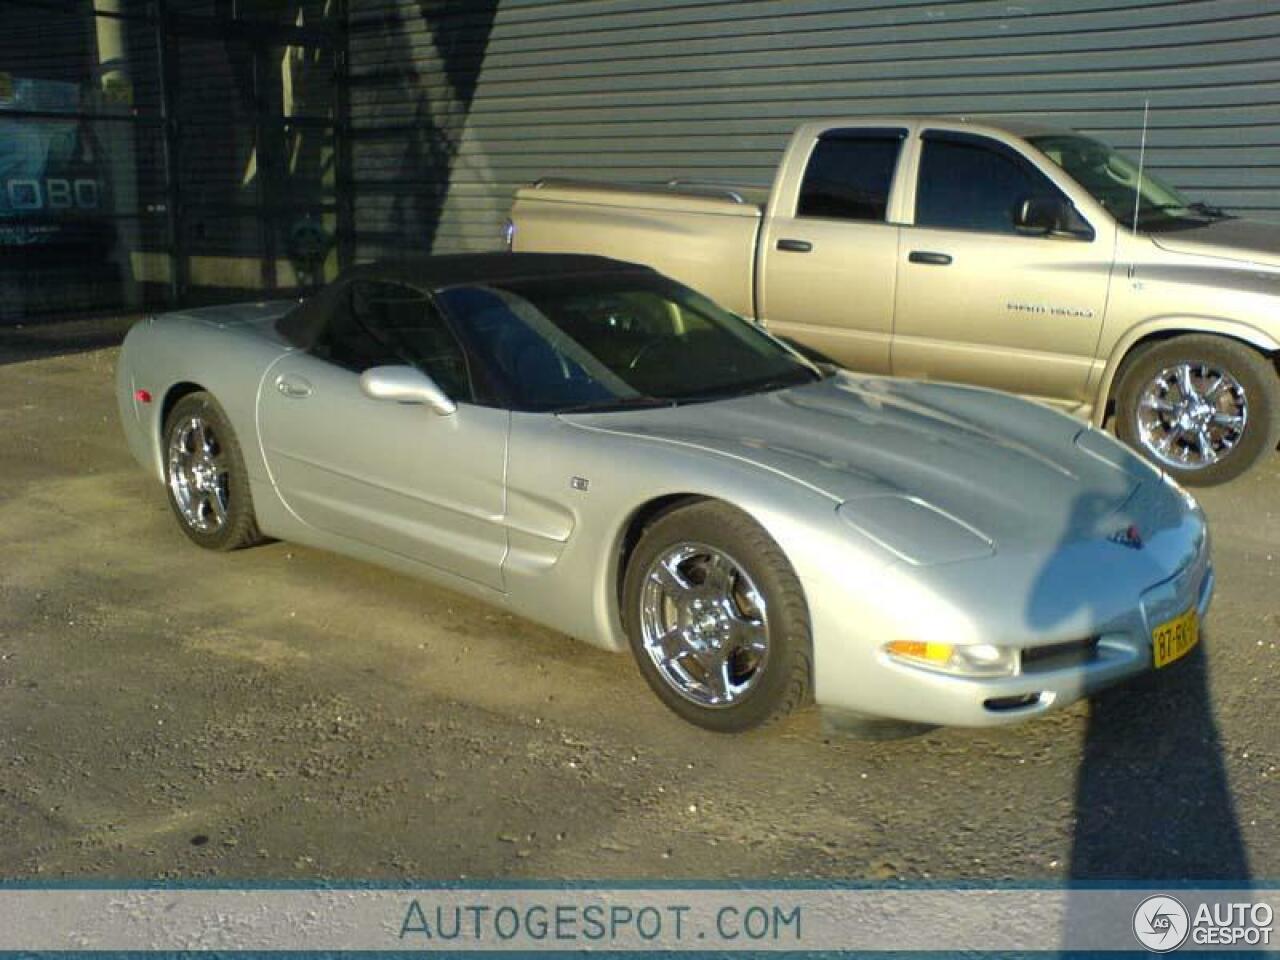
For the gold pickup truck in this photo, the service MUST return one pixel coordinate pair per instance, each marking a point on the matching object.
(1010, 255)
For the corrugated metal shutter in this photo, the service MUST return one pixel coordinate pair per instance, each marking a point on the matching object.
(455, 104)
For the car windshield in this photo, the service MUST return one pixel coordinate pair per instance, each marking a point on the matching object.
(616, 341)
(1112, 179)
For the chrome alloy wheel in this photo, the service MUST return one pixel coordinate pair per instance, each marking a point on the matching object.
(704, 624)
(198, 475)
(1191, 415)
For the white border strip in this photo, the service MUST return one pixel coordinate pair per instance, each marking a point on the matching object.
(534, 920)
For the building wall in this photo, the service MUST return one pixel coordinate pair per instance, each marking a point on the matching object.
(154, 153)
(454, 104)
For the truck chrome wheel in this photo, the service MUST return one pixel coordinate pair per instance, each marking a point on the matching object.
(198, 476)
(704, 624)
(1190, 416)
(1203, 408)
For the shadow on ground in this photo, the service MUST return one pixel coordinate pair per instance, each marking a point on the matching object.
(56, 338)
(1152, 799)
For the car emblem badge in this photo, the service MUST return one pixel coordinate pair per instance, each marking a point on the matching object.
(1129, 537)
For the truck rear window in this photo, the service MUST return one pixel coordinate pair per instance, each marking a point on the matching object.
(849, 177)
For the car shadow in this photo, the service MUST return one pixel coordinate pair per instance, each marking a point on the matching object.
(54, 338)
(1153, 804)
(1152, 797)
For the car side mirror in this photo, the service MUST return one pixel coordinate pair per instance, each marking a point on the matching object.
(1050, 216)
(405, 384)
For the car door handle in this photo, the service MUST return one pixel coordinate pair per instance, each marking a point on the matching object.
(295, 388)
(929, 257)
(795, 246)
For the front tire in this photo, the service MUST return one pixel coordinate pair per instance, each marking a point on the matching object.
(205, 475)
(1203, 408)
(717, 619)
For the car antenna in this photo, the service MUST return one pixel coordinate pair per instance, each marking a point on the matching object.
(1137, 184)
(1142, 156)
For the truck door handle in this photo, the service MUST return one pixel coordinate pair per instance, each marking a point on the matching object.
(295, 388)
(795, 246)
(929, 257)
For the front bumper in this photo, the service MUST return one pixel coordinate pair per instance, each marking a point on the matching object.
(904, 692)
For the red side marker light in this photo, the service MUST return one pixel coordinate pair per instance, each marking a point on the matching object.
(142, 396)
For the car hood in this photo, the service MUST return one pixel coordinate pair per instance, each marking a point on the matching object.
(244, 319)
(1248, 241)
(899, 455)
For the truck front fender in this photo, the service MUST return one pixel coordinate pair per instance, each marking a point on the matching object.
(1160, 328)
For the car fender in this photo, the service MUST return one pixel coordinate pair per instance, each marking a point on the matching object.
(574, 491)
(172, 352)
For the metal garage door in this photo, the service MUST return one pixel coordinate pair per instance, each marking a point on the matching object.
(454, 104)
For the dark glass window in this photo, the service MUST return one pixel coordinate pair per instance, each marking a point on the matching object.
(848, 178)
(967, 186)
(615, 340)
(375, 323)
(540, 366)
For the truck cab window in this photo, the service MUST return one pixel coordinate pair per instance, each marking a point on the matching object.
(966, 185)
(848, 178)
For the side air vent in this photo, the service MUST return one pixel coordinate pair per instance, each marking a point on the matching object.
(1000, 704)
(1059, 656)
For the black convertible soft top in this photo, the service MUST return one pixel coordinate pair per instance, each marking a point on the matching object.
(303, 324)
(442, 271)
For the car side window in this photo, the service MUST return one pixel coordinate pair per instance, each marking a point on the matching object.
(378, 323)
(972, 183)
(344, 342)
(849, 176)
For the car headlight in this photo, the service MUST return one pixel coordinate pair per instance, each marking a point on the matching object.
(965, 660)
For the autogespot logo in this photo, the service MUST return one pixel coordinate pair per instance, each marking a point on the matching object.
(1161, 923)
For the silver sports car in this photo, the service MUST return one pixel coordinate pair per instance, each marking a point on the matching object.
(610, 454)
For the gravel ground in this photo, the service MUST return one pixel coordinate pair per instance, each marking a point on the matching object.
(285, 713)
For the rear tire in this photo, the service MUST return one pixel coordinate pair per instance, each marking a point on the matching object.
(717, 619)
(205, 476)
(1203, 408)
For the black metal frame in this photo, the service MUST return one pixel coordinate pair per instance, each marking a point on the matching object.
(168, 27)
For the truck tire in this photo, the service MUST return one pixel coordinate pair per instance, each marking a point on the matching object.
(717, 619)
(1203, 408)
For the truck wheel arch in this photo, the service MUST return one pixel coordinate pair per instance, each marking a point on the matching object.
(1145, 335)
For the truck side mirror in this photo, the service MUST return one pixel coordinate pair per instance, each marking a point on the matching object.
(1050, 216)
(1038, 215)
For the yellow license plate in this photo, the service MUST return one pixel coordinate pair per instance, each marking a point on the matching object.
(1175, 638)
